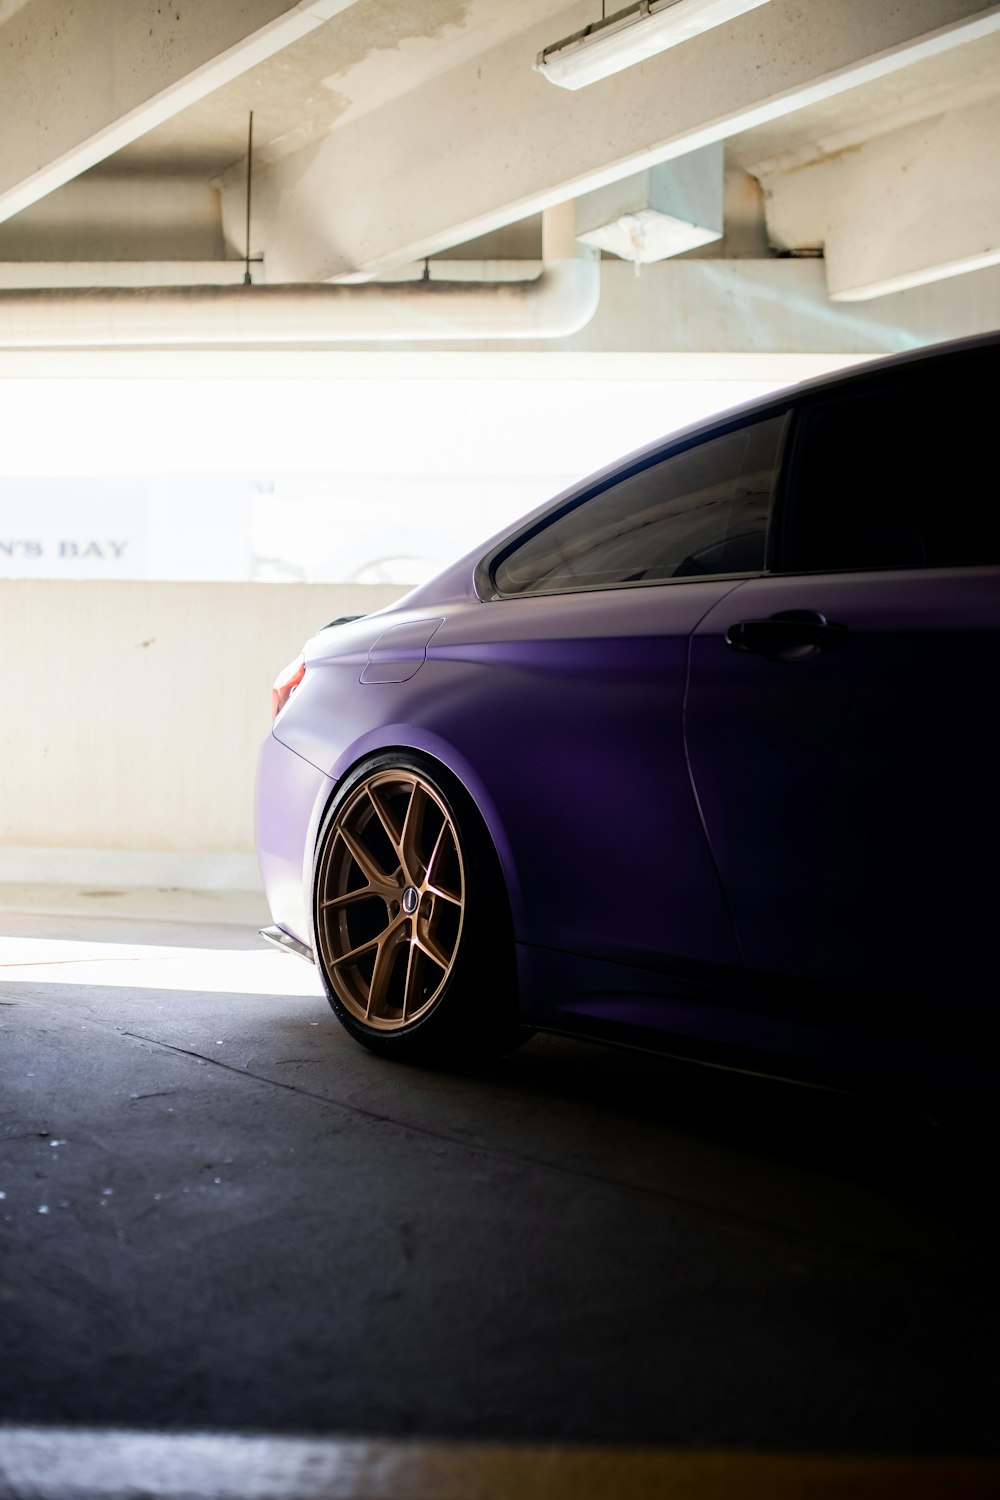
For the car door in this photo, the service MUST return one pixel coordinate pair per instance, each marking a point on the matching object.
(577, 725)
(840, 713)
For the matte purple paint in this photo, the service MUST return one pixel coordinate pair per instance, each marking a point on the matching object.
(780, 863)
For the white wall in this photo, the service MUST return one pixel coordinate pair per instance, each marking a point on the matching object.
(130, 719)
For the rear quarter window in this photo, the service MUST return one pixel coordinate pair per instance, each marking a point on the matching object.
(699, 512)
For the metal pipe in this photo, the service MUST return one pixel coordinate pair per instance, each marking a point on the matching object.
(555, 304)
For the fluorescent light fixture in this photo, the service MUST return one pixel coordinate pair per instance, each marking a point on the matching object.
(632, 35)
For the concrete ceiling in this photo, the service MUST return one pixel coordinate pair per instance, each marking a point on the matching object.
(828, 171)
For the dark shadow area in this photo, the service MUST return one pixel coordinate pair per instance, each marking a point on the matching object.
(220, 1212)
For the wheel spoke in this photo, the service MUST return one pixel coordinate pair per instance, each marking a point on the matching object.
(385, 960)
(364, 858)
(426, 943)
(432, 862)
(356, 953)
(409, 987)
(388, 823)
(412, 829)
(437, 892)
(364, 893)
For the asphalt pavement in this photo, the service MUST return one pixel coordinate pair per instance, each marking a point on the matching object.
(218, 1214)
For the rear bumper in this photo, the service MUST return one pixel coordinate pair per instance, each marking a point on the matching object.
(290, 798)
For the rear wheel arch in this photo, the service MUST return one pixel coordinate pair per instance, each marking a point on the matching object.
(445, 759)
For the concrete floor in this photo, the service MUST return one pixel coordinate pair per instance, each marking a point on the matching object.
(217, 1213)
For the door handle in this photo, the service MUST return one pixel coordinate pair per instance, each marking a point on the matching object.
(793, 635)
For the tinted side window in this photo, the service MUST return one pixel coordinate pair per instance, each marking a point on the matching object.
(698, 512)
(903, 475)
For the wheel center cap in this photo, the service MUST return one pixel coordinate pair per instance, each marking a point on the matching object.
(411, 900)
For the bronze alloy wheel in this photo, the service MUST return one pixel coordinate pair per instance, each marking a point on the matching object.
(390, 899)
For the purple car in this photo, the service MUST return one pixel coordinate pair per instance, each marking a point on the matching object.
(702, 756)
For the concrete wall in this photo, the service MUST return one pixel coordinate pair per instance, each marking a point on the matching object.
(130, 718)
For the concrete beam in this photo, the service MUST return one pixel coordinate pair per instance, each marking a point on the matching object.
(722, 311)
(911, 206)
(490, 144)
(80, 81)
(107, 217)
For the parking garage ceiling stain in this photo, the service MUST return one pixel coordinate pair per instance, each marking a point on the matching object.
(300, 93)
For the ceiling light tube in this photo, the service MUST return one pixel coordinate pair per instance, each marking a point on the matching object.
(631, 36)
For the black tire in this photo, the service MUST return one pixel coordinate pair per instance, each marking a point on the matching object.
(414, 941)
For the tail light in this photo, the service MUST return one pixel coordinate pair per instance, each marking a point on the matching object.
(285, 684)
